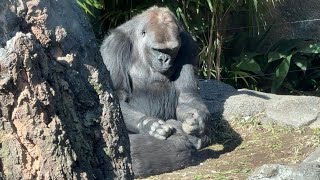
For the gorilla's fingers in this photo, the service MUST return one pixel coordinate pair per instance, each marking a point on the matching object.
(159, 136)
(192, 122)
(160, 130)
(188, 128)
(154, 126)
(161, 122)
(165, 130)
(167, 127)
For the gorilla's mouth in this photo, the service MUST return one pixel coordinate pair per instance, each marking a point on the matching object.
(168, 71)
(164, 69)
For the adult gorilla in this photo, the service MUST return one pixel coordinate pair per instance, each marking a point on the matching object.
(151, 60)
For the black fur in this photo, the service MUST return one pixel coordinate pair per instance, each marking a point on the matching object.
(152, 156)
(151, 60)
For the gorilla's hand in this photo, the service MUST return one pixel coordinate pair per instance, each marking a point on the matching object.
(156, 127)
(193, 120)
(194, 123)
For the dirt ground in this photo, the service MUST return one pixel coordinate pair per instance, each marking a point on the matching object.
(244, 145)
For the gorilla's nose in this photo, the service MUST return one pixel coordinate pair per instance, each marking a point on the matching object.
(164, 58)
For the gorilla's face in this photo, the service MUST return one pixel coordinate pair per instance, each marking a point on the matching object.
(160, 40)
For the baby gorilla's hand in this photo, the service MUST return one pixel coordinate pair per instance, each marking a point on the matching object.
(156, 128)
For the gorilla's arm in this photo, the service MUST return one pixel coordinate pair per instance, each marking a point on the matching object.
(115, 51)
(191, 110)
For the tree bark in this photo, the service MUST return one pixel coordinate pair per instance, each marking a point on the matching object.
(58, 115)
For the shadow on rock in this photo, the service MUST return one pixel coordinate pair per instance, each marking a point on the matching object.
(215, 94)
(223, 135)
(255, 94)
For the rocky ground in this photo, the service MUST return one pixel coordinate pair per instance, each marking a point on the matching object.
(246, 145)
(257, 136)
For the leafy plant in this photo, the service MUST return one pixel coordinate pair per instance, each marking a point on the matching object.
(294, 55)
(288, 64)
(238, 57)
(89, 5)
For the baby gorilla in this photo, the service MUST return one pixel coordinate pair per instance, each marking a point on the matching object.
(151, 60)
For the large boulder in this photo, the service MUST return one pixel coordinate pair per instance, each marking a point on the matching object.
(58, 115)
(309, 169)
(303, 171)
(226, 102)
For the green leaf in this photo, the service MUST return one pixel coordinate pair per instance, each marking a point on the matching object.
(210, 5)
(281, 73)
(311, 49)
(248, 63)
(205, 73)
(273, 56)
(301, 62)
(284, 45)
(180, 13)
(83, 5)
(243, 75)
(255, 2)
(94, 3)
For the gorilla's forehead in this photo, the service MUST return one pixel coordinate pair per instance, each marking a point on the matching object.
(160, 15)
(163, 26)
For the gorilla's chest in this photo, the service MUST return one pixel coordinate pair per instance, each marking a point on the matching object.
(155, 98)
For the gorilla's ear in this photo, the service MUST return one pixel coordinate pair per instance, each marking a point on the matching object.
(116, 51)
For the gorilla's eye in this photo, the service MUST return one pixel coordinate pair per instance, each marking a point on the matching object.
(164, 51)
(143, 33)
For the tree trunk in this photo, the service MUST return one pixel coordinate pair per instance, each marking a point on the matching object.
(58, 115)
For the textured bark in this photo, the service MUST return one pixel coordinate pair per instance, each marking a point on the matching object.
(58, 115)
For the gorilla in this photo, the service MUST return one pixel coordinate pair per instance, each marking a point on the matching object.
(151, 60)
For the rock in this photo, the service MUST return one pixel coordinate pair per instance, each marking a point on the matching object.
(313, 157)
(215, 93)
(297, 111)
(58, 115)
(309, 171)
(243, 104)
(226, 102)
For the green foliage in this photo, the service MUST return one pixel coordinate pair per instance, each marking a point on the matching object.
(237, 56)
(204, 19)
(89, 5)
(297, 56)
(287, 65)
(281, 73)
